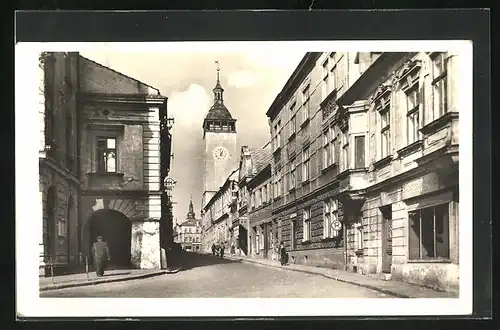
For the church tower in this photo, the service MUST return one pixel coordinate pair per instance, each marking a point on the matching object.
(219, 134)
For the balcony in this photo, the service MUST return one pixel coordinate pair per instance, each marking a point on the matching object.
(443, 131)
(352, 180)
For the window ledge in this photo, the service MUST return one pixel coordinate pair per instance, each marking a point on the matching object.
(305, 122)
(382, 162)
(292, 136)
(409, 149)
(329, 239)
(306, 242)
(430, 261)
(328, 168)
(277, 150)
(439, 122)
(108, 174)
(305, 182)
(359, 252)
(291, 190)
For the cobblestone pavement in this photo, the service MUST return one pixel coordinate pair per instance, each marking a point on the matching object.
(208, 277)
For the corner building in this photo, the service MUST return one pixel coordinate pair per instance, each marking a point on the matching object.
(100, 163)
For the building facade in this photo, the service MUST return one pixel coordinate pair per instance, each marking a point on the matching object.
(305, 162)
(110, 145)
(59, 159)
(262, 229)
(218, 214)
(400, 192)
(188, 233)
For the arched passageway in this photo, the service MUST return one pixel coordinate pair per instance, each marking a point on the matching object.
(116, 230)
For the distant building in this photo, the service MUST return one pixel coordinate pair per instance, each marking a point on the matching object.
(95, 123)
(188, 233)
(219, 212)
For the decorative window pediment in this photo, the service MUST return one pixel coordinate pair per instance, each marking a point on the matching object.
(382, 96)
(329, 108)
(408, 75)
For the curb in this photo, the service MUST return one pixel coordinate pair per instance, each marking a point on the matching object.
(385, 291)
(111, 280)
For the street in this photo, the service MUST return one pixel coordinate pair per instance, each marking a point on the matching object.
(208, 277)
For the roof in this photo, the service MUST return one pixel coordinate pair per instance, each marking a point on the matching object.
(261, 157)
(190, 222)
(119, 73)
(218, 111)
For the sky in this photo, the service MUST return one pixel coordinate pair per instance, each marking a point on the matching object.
(251, 81)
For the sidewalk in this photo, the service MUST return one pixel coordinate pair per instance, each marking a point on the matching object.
(80, 279)
(391, 287)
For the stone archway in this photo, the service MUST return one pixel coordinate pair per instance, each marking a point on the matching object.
(116, 230)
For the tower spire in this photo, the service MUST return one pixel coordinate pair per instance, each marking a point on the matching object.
(191, 214)
(218, 90)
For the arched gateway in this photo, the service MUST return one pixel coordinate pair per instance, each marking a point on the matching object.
(126, 225)
(116, 230)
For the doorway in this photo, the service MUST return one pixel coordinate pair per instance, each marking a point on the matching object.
(116, 230)
(386, 212)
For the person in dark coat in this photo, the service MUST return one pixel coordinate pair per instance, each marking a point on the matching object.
(213, 249)
(222, 250)
(100, 252)
(283, 254)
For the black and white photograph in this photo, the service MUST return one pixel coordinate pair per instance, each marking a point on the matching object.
(253, 171)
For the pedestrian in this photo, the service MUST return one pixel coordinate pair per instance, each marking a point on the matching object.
(232, 248)
(213, 249)
(100, 253)
(222, 250)
(283, 254)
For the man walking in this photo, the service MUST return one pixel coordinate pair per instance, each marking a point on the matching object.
(213, 249)
(100, 252)
(222, 250)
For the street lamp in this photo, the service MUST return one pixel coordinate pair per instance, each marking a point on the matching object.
(169, 185)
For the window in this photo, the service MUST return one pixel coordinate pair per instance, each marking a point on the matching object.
(259, 197)
(62, 227)
(412, 115)
(385, 131)
(359, 236)
(359, 152)
(330, 224)
(306, 216)
(278, 135)
(264, 194)
(280, 182)
(293, 125)
(305, 97)
(189, 230)
(106, 154)
(261, 241)
(252, 201)
(305, 166)
(429, 233)
(439, 85)
(329, 147)
(326, 78)
(293, 178)
(345, 150)
(185, 239)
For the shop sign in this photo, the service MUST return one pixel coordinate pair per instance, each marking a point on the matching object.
(422, 185)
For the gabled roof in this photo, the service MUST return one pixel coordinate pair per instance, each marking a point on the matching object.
(261, 157)
(190, 222)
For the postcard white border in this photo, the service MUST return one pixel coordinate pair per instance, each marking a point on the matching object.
(29, 227)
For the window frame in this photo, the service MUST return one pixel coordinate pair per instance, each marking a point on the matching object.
(413, 114)
(440, 79)
(306, 164)
(306, 96)
(420, 237)
(384, 110)
(345, 150)
(101, 160)
(330, 215)
(306, 224)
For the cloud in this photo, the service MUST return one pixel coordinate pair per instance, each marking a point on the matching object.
(242, 78)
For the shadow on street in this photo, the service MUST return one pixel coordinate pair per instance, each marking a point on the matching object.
(190, 260)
